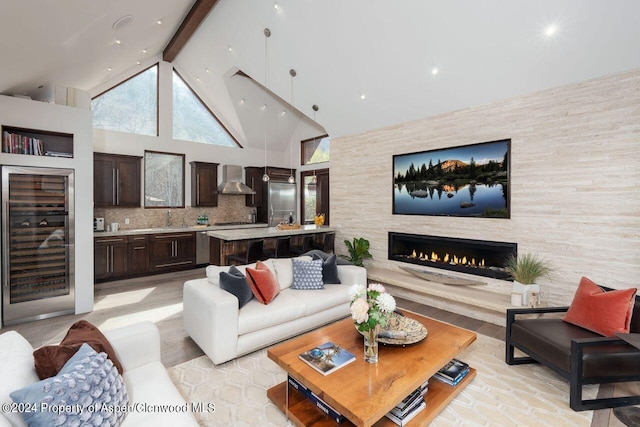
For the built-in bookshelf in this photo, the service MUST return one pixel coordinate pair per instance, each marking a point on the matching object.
(36, 142)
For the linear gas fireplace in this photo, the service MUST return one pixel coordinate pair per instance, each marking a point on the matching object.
(479, 257)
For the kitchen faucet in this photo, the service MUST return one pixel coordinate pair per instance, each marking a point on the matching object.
(168, 218)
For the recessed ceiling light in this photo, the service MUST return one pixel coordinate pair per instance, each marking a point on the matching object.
(109, 68)
(435, 71)
(242, 101)
(264, 106)
(197, 79)
(159, 22)
(284, 112)
(276, 6)
(122, 22)
(144, 50)
(363, 96)
(118, 42)
(208, 71)
(551, 30)
(138, 62)
(229, 48)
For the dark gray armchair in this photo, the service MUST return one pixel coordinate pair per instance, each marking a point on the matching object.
(577, 354)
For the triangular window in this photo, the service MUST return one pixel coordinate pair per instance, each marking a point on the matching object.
(131, 106)
(193, 121)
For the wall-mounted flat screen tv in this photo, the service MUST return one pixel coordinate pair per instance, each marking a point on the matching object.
(470, 180)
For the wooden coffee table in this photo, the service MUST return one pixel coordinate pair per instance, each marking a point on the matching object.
(364, 392)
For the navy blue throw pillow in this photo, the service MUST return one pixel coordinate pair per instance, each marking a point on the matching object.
(329, 269)
(236, 283)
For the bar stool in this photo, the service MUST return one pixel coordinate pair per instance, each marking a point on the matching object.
(327, 245)
(282, 249)
(307, 245)
(253, 253)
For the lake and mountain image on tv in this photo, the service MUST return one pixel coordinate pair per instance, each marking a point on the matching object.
(471, 180)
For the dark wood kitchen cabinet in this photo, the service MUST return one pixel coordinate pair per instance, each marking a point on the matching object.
(116, 180)
(204, 184)
(138, 248)
(253, 179)
(172, 251)
(110, 258)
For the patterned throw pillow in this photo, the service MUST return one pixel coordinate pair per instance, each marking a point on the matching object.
(88, 390)
(307, 274)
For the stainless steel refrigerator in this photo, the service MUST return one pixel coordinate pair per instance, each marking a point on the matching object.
(281, 202)
(37, 243)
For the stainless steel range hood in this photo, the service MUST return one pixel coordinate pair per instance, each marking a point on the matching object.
(232, 181)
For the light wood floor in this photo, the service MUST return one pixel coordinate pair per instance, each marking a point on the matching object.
(159, 299)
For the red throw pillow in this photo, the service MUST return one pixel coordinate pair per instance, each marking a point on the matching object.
(50, 359)
(263, 282)
(602, 312)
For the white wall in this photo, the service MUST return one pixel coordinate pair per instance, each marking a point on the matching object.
(575, 171)
(58, 118)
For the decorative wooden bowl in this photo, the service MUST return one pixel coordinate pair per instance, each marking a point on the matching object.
(288, 227)
(401, 330)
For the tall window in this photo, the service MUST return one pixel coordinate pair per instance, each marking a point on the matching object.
(193, 121)
(315, 150)
(132, 106)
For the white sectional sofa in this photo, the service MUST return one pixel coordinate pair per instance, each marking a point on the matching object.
(145, 377)
(223, 331)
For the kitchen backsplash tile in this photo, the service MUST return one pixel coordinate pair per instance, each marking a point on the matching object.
(231, 208)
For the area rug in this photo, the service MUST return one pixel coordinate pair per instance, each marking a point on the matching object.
(500, 395)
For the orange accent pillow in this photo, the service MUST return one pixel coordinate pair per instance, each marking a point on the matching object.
(263, 283)
(602, 312)
(50, 359)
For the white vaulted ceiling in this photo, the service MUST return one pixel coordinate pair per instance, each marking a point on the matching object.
(484, 51)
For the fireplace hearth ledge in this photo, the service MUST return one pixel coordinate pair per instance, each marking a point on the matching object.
(469, 295)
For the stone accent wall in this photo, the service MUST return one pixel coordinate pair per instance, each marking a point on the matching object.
(231, 208)
(575, 176)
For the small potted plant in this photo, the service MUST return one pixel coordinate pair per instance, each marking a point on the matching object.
(358, 251)
(526, 269)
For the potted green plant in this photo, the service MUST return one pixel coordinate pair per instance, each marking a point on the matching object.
(525, 270)
(358, 251)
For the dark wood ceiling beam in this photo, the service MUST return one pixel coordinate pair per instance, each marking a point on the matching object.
(194, 18)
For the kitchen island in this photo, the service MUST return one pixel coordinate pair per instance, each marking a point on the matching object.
(224, 242)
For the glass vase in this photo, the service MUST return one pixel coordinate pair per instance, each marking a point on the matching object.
(371, 345)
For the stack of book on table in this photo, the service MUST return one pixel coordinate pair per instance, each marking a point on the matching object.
(321, 404)
(453, 372)
(411, 406)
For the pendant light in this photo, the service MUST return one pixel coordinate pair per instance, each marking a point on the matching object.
(292, 179)
(267, 34)
(314, 108)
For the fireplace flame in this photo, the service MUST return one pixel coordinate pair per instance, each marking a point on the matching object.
(448, 259)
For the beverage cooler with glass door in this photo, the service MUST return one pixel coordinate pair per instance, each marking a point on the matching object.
(37, 243)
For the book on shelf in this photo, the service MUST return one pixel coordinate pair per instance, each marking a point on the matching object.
(409, 416)
(327, 358)
(320, 404)
(412, 397)
(19, 144)
(448, 381)
(58, 154)
(453, 369)
(402, 413)
(453, 372)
